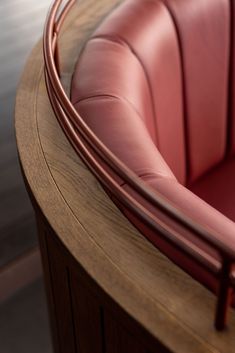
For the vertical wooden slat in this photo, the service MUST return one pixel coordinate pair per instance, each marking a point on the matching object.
(87, 315)
(48, 281)
(62, 297)
(119, 339)
(83, 319)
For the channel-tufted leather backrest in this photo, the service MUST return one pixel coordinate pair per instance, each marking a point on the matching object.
(203, 31)
(162, 62)
(155, 84)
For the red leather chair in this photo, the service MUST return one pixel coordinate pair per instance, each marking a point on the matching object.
(155, 84)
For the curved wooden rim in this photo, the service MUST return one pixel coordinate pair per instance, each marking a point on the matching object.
(101, 272)
(78, 132)
(86, 143)
(144, 283)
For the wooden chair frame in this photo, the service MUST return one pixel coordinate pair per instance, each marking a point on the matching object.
(88, 146)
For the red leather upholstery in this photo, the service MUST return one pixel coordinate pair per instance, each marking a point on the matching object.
(156, 50)
(203, 28)
(153, 83)
(231, 122)
(217, 187)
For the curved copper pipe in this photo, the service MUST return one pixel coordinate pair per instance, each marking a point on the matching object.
(81, 136)
(114, 163)
(172, 237)
(107, 156)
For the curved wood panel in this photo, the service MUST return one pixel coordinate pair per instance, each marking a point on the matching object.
(106, 166)
(93, 235)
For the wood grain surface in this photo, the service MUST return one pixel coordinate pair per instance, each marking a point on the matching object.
(166, 301)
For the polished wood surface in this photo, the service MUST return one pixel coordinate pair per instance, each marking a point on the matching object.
(167, 303)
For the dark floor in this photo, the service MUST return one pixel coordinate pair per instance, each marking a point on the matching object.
(23, 318)
(23, 322)
(21, 23)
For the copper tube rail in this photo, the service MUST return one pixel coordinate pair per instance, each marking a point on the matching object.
(92, 151)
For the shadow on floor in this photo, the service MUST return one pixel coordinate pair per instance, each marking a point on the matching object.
(24, 326)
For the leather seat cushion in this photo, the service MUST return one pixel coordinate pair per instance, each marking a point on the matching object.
(217, 188)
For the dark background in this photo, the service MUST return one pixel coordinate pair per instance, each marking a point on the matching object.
(23, 315)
